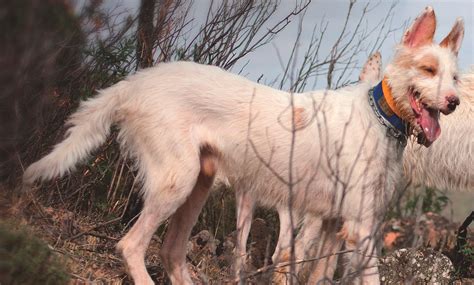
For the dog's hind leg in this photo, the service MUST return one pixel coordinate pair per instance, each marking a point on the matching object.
(166, 187)
(173, 251)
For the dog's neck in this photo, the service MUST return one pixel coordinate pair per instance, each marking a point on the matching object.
(386, 111)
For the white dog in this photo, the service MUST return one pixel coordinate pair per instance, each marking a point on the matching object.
(325, 152)
(448, 163)
(445, 165)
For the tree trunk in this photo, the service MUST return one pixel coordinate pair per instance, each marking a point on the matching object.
(145, 35)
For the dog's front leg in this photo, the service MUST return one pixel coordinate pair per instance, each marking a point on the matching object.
(359, 237)
(283, 247)
(282, 252)
(323, 244)
(245, 206)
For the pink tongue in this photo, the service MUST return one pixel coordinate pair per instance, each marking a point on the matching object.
(429, 122)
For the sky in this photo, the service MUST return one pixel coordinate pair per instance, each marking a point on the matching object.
(263, 61)
(266, 60)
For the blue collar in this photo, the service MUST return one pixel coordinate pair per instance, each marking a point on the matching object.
(395, 125)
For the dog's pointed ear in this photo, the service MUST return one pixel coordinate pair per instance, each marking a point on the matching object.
(454, 39)
(372, 70)
(422, 30)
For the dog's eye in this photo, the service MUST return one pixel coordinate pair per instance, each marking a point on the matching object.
(429, 70)
(455, 78)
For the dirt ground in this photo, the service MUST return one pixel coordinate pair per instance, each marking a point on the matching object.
(87, 244)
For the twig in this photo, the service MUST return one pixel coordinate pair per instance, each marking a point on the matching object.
(459, 258)
(79, 277)
(99, 235)
(94, 228)
(288, 263)
(462, 232)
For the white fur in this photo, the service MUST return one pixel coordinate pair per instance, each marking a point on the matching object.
(371, 74)
(182, 121)
(447, 164)
(90, 126)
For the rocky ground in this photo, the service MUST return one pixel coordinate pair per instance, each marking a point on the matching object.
(86, 246)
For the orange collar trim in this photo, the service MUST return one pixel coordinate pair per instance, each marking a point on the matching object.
(387, 94)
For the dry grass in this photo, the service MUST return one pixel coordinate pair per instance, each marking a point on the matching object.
(86, 242)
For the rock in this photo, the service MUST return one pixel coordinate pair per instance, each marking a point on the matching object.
(260, 236)
(416, 266)
(202, 243)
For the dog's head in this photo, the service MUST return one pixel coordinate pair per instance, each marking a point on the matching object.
(423, 76)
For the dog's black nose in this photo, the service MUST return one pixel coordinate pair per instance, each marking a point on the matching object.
(453, 102)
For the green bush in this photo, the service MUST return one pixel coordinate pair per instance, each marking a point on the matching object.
(25, 259)
(432, 200)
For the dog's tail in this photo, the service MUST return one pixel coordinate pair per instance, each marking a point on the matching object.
(89, 128)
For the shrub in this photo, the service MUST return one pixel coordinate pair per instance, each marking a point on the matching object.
(25, 259)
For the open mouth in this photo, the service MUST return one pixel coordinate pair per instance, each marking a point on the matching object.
(427, 119)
